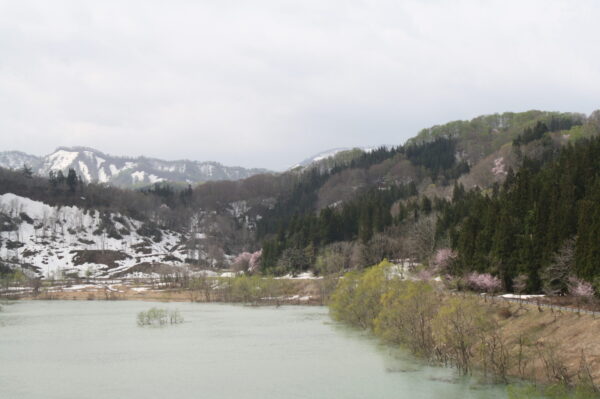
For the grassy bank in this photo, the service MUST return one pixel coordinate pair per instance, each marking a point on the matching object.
(503, 341)
(255, 290)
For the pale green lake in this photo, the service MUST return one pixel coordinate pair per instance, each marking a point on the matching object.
(81, 349)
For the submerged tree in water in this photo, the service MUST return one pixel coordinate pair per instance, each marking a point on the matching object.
(159, 317)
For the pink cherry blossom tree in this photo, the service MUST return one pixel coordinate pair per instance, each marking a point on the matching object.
(499, 168)
(483, 282)
(254, 263)
(241, 263)
(247, 262)
(581, 290)
(443, 259)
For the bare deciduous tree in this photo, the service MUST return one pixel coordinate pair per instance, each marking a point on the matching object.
(422, 237)
(556, 275)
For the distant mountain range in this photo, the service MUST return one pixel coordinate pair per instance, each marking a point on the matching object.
(95, 166)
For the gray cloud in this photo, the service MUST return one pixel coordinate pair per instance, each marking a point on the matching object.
(266, 83)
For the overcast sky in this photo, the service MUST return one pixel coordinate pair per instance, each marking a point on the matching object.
(268, 83)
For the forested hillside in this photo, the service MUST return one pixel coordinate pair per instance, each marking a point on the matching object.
(507, 192)
(539, 227)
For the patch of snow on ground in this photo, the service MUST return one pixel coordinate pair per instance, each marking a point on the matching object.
(301, 276)
(15, 204)
(516, 296)
(79, 287)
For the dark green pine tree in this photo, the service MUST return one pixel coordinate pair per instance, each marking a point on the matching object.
(365, 225)
(72, 179)
(504, 249)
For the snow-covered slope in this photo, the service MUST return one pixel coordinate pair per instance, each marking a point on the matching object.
(93, 165)
(17, 159)
(56, 242)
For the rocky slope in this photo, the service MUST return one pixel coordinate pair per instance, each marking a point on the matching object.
(57, 242)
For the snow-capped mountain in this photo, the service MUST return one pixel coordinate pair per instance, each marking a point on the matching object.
(95, 166)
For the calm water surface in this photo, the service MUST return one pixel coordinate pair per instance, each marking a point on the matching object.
(62, 349)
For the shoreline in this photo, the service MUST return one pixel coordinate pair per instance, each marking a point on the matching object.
(546, 329)
(296, 292)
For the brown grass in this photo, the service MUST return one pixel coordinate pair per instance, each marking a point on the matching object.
(301, 288)
(550, 336)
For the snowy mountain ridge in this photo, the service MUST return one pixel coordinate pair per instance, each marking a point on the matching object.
(95, 166)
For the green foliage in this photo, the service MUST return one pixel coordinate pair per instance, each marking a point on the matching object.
(531, 134)
(254, 289)
(357, 298)
(11, 277)
(410, 314)
(407, 310)
(457, 327)
(455, 330)
(557, 391)
(342, 301)
(487, 128)
(525, 391)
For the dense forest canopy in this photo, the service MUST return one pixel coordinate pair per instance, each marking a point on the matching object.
(542, 210)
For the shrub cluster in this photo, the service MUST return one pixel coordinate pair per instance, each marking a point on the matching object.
(159, 317)
(456, 330)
